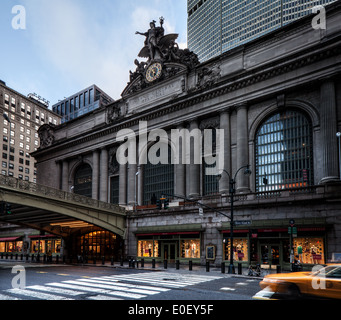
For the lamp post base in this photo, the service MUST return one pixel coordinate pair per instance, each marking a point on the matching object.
(231, 269)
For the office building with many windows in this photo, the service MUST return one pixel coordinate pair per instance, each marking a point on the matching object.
(81, 103)
(21, 118)
(216, 26)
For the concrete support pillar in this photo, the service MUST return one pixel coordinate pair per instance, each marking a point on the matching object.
(242, 181)
(95, 174)
(225, 125)
(104, 175)
(329, 164)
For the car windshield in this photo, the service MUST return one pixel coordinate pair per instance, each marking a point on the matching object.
(330, 272)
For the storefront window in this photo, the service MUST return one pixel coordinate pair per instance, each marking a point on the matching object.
(99, 243)
(309, 250)
(15, 246)
(46, 246)
(37, 246)
(240, 249)
(190, 248)
(148, 248)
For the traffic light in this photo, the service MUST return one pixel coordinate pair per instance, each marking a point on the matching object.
(159, 204)
(8, 208)
(166, 206)
(2, 208)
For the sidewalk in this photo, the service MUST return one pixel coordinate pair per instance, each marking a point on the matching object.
(171, 267)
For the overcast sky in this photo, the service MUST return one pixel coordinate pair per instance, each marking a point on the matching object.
(69, 45)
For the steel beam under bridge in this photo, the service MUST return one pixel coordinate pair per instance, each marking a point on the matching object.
(40, 207)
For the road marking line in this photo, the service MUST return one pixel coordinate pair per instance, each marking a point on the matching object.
(37, 295)
(228, 289)
(96, 290)
(4, 297)
(110, 287)
(102, 298)
(129, 285)
(56, 290)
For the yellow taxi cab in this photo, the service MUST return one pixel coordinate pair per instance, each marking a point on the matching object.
(322, 284)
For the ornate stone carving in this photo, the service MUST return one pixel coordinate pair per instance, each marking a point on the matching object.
(46, 135)
(165, 59)
(114, 113)
(114, 166)
(207, 77)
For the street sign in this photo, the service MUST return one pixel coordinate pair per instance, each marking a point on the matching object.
(294, 230)
(243, 223)
(201, 211)
(292, 222)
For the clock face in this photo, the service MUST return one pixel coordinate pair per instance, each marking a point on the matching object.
(153, 72)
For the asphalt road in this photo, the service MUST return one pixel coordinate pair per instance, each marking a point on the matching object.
(107, 283)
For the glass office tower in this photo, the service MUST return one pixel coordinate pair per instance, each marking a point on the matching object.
(81, 103)
(216, 26)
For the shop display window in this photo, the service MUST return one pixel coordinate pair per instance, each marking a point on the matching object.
(148, 248)
(240, 249)
(15, 246)
(190, 248)
(38, 246)
(309, 250)
(46, 246)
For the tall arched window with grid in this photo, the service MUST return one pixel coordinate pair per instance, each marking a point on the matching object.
(283, 152)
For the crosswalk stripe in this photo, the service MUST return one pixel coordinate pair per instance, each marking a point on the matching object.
(130, 285)
(4, 297)
(97, 290)
(110, 287)
(113, 287)
(56, 290)
(103, 297)
(165, 279)
(145, 290)
(36, 295)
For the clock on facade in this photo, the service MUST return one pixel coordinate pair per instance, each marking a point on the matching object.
(153, 72)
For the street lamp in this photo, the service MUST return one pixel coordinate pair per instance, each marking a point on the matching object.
(338, 134)
(136, 175)
(232, 192)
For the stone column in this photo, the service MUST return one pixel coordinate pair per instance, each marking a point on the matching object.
(225, 125)
(242, 181)
(131, 183)
(104, 173)
(123, 185)
(59, 175)
(65, 176)
(194, 168)
(180, 166)
(95, 174)
(328, 133)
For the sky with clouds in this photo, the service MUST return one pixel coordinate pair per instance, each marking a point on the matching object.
(69, 45)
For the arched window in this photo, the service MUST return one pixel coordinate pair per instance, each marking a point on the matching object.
(283, 152)
(158, 179)
(83, 180)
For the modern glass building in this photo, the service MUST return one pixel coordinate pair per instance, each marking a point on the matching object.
(216, 26)
(81, 103)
